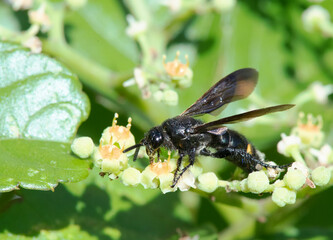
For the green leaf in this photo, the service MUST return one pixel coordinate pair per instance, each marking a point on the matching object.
(41, 106)
(36, 164)
(70, 232)
(40, 98)
(102, 22)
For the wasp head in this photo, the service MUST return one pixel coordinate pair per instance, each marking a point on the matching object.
(152, 141)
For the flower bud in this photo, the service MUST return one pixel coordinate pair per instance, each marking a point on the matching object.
(294, 179)
(244, 185)
(321, 92)
(257, 182)
(34, 43)
(170, 97)
(158, 95)
(208, 182)
(40, 17)
(83, 147)
(282, 196)
(131, 176)
(324, 155)
(321, 176)
(135, 28)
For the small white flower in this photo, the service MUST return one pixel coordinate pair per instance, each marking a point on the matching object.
(129, 82)
(21, 4)
(186, 181)
(324, 155)
(159, 174)
(113, 159)
(321, 92)
(34, 43)
(224, 5)
(131, 177)
(287, 144)
(300, 166)
(309, 130)
(119, 135)
(139, 77)
(40, 17)
(316, 18)
(135, 28)
(173, 5)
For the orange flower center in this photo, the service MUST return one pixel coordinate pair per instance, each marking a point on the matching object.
(110, 152)
(176, 68)
(160, 168)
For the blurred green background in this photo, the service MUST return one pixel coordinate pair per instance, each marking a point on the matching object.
(219, 37)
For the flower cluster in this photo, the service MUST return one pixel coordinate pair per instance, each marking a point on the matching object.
(312, 159)
(317, 19)
(109, 157)
(305, 139)
(161, 84)
(109, 154)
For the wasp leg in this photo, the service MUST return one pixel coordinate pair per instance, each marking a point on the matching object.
(176, 178)
(205, 152)
(222, 153)
(179, 162)
(247, 161)
(158, 154)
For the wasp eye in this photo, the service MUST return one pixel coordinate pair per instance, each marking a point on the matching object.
(155, 138)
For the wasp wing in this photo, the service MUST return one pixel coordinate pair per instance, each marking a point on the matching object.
(235, 86)
(240, 117)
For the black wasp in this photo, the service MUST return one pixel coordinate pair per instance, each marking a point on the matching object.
(192, 137)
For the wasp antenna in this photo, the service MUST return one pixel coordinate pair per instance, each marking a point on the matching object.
(136, 153)
(133, 147)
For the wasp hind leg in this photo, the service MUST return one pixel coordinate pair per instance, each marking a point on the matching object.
(249, 162)
(245, 159)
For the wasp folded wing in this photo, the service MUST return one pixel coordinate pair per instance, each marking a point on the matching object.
(240, 117)
(235, 86)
